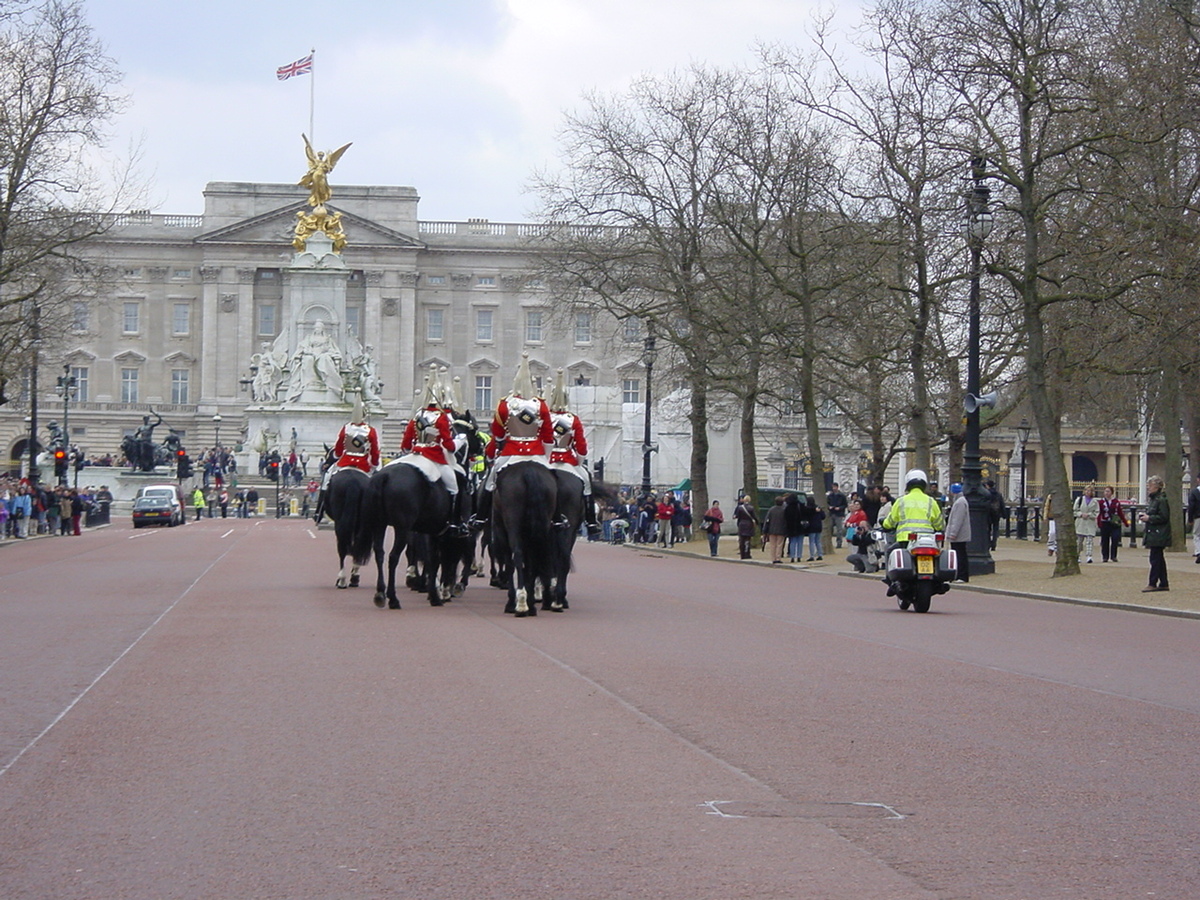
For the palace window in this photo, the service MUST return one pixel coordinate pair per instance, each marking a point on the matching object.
(80, 374)
(129, 385)
(80, 316)
(266, 320)
(435, 324)
(533, 326)
(483, 326)
(631, 390)
(181, 316)
(483, 392)
(179, 385)
(583, 328)
(129, 316)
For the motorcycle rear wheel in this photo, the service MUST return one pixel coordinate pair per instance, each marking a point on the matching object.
(922, 594)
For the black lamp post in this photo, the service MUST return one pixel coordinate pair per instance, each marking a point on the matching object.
(647, 448)
(217, 432)
(979, 226)
(1022, 512)
(65, 388)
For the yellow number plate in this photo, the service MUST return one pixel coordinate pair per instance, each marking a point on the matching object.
(924, 565)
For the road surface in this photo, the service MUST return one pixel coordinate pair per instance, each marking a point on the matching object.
(196, 712)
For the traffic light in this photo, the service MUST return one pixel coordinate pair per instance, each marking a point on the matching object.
(77, 456)
(273, 467)
(60, 462)
(183, 464)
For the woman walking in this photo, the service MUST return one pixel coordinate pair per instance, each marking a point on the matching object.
(1087, 513)
(1157, 519)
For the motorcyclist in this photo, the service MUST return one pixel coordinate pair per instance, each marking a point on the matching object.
(914, 513)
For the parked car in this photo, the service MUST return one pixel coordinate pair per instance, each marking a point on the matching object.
(157, 503)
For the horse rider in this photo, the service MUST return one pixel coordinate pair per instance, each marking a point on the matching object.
(357, 447)
(521, 432)
(570, 447)
(429, 434)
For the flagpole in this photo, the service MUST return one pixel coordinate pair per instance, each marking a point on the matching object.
(312, 93)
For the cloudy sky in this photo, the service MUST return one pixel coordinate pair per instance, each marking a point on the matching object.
(460, 99)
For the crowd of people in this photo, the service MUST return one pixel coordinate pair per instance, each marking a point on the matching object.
(30, 510)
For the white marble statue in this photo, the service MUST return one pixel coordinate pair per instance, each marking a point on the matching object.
(368, 372)
(269, 375)
(316, 369)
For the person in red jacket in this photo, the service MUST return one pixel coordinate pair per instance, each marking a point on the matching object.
(522, 432)
(429, 435)
(357, 447)
(570, 447)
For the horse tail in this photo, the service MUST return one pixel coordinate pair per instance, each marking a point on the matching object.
(369, 521)
(540, 548)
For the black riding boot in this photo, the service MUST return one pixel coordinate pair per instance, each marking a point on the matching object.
(483, 510)
(589, 516)
(320, 508)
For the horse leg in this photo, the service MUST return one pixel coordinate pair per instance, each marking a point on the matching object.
(393, 561)
(341, 578)
(354, 575)
(377, 547)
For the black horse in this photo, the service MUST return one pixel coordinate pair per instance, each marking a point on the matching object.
(405, 499)
(523, 509)
(349, 502)
(569, 517)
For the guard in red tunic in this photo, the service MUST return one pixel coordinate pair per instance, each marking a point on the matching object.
(429, 435)
(357, 447)
(522, 433)
(570, 447)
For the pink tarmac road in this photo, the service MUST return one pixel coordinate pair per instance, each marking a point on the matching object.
(198, 713)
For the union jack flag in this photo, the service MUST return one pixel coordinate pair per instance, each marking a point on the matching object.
(299, 67)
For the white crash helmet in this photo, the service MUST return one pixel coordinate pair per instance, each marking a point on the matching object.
(914, 476)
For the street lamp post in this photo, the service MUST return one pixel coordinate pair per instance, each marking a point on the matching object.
(217, 432)
(979, 226)
(1022, 511)
(647, 447)
(65, 388)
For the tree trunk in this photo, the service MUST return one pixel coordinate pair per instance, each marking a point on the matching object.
(699, 461)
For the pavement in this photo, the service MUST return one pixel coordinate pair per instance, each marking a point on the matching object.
(1023, 569)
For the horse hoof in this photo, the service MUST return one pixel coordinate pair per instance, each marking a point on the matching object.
(379, 600)
(393, 604)
(458, 591)
(354, 581)
(437, 602)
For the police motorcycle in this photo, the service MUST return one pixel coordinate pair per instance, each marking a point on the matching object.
(916, 573)
(921, 570)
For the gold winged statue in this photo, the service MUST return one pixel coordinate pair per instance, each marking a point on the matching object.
(316, 179)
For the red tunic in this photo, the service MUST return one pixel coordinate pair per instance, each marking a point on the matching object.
(358, 446)
(439, 450)
(522, 445)
(575, 447)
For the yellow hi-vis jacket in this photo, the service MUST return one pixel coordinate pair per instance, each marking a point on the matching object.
(916, 512)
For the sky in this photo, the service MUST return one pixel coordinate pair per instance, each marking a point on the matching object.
(461, 99)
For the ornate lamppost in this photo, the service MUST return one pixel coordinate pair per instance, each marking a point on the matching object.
(217, 432)
(651, 353)
(66, 388)
(1022, 512)
(979, 226)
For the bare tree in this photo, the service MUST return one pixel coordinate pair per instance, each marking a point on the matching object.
(56, 96)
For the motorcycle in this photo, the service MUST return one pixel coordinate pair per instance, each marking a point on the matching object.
(921, 570)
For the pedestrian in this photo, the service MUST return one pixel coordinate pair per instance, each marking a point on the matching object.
(836, 504)
(958, 530)
(712, 526)
(1051, 525)
(997, 510)
(1112, 517)
(198, 502)
(663, 514)
(64, 513)
(746, 520)
(223, 502)
(1194, 517)
(1087, 514)
(76, 513)
(775, 528)
(1157, 519)
(816, 530)
(795, 522)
